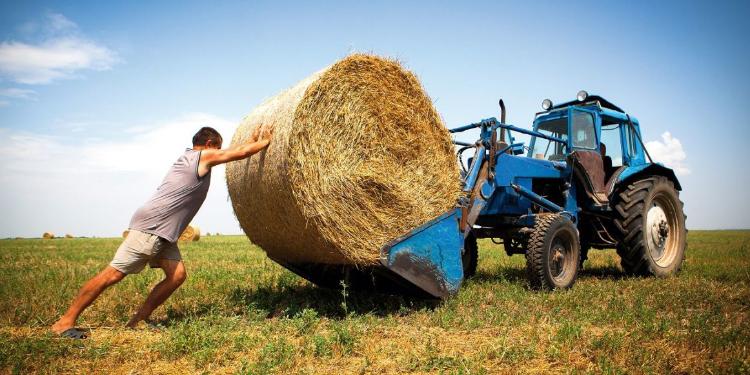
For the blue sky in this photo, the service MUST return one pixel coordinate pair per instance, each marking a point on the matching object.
(98, 98)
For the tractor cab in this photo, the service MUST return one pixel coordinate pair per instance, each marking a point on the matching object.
(600, 141)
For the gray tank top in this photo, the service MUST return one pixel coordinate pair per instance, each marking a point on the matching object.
(176, 201)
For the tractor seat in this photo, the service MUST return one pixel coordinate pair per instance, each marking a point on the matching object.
(588, 168)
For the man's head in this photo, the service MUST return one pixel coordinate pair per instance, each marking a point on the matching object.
(604, 149)
(207, 137)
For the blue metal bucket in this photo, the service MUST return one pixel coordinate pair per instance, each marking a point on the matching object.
(429, 257)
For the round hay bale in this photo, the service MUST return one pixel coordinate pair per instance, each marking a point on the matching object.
(191, 233)
(68, 235)
(125, 233)
(197, 234)
(48, 235)
(359, 156)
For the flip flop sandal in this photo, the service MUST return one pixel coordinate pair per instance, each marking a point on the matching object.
(74, 333)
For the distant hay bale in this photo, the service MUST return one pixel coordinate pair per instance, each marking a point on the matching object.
(125, 233)
(68, 235)
(359, 156)
(48, 235)
(191, 233)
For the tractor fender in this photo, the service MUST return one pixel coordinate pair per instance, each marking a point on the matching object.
(652, 169)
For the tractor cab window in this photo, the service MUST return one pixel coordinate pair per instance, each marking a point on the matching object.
(584, 133)
(551, 150)
(612, 143)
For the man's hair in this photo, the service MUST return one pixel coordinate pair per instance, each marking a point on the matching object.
(206, 134)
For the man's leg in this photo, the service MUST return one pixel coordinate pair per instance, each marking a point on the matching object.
(174, 276)
(88, 293)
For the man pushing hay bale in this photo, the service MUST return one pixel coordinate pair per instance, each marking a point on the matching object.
(156, 227)
(359, 157)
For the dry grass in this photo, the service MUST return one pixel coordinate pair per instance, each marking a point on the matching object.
(241, 313)
(359, 156)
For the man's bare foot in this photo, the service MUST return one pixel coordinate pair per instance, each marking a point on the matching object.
(133, 322)
(61, 326)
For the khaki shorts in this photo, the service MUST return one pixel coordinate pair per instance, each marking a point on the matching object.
(140, 248)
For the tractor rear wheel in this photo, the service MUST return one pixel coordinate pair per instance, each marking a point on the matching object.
(470, 255)
(553, 253)
(651, 223)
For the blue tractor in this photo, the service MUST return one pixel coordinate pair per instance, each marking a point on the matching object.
(586, 181)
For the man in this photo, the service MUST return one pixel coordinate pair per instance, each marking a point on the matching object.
(156, 226)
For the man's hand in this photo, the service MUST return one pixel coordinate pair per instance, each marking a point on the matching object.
(255, 134)
(269, 132)
(261, 132)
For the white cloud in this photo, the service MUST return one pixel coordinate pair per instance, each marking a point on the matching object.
(58, 22)
(92, 186)
(670, 152)
(61, 54)
(17, 93)
(149, 151)
(153, 147)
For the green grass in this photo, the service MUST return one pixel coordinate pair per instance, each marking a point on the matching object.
(241, 313)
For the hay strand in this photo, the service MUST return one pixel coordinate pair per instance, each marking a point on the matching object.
(359, 156)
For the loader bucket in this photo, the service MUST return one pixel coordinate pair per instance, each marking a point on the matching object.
(429, 256)
(426, 262)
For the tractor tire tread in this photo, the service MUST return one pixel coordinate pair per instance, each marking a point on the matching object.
(629, 221)
(535, 252)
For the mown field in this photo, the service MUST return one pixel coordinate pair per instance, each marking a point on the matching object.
(241, 313)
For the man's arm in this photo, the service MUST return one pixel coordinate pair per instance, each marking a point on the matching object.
(213, 157)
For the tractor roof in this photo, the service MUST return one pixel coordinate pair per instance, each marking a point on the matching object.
(591, 99)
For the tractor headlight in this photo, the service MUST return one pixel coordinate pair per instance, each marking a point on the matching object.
(582, 95)
(546, 104)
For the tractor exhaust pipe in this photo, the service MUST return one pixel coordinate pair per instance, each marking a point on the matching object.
(502, 118)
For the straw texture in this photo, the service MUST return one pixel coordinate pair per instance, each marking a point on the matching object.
(359, 156)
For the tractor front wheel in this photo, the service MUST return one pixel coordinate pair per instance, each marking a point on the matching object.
(470, 255)
(553, 253)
